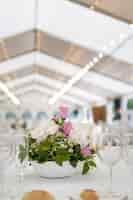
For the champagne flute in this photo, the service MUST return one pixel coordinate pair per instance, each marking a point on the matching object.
(128, 152)
(109, 152)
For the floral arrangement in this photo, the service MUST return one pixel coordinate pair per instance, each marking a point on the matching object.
(61, 141)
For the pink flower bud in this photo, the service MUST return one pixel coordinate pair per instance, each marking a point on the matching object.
(64, 112)
(85, 151)
(67, 128)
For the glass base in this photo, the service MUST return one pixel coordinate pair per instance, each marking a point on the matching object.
(110, 195)
(54, 178)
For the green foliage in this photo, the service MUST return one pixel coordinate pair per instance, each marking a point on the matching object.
(56, 148)
(130, 104)
(88, 164)
(86, 167)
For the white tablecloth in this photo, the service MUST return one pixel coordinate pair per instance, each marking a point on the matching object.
(97, 179)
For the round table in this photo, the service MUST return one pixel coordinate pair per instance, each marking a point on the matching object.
(62, 188)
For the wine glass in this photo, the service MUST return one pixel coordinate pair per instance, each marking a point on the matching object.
(109, 152)
(7, 155)
(128, 152)
(10, 164)
(21, 163)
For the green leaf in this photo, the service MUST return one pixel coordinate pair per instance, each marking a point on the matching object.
(59, 161)
(77, 148)
(43, 157)
(30, 140)
(130, 104)
(85, 168)
(92, 163)
(62, 156)
(74, 163)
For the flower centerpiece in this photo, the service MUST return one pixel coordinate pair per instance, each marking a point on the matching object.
(64, 145)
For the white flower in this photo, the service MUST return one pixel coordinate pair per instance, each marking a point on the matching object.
(82, 134)
(44, 130)
(70, 150)
(37, 133)
(52, 128)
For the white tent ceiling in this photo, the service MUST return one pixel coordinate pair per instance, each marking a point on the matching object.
(73, 23)
(60, 17)
(55, 65)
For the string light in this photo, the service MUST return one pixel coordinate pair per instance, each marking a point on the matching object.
(122, 37)
(91, 64)
(100, 55)
(13, 98)
(112, 43)
(95, 60)
(105, 48)
(3, 86)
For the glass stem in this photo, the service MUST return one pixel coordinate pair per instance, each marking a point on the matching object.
(20, 174)
(110, 179)
(132, 178)
(2, 181)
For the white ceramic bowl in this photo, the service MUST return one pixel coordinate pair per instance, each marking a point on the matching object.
(52, 170)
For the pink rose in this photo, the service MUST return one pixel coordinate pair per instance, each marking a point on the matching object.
(85, 151)
(64, 112)
(67, 128)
